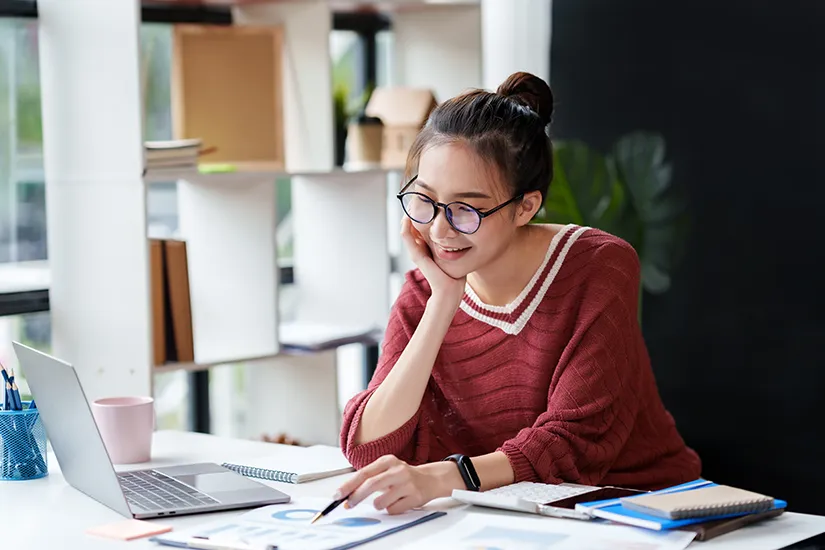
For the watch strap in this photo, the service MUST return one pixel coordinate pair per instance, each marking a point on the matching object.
(467, 471)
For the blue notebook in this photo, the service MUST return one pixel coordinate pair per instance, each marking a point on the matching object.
(613, 510)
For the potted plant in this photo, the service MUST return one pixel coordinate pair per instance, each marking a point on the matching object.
(627, 192)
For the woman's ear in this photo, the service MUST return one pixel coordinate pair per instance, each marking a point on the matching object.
(528, 206)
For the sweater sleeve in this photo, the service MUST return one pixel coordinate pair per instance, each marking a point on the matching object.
(592, 402)
(410, 441)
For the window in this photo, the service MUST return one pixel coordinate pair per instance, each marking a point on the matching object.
(22, 187)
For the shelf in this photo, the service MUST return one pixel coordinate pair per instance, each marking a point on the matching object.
(286, 351)
(231, 178)
(250, 176)
(195, 367)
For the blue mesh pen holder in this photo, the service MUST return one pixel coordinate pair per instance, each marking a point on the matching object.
(22, 445)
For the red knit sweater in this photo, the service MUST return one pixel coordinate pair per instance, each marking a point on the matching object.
(559, 380)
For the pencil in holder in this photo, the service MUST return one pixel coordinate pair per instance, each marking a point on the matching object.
(22, 444)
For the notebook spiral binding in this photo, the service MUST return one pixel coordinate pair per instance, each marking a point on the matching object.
(729, 508)
(262, 473)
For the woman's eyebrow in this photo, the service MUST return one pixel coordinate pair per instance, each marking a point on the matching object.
(465, 195)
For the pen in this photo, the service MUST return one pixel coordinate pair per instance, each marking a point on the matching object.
(15, 391)
(333, 505)
(204, 543)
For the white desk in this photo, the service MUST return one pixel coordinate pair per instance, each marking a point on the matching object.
(48, 513)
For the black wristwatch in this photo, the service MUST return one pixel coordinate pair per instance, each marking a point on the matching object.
(467, 471)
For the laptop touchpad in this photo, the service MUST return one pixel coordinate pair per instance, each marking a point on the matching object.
(219, 482)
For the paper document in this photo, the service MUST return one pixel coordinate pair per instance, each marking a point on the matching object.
(287, 526)
(479, 530)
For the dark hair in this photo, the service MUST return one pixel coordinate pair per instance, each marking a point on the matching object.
(509, 129)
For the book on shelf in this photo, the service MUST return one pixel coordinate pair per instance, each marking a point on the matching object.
(157, 280)
(169, 154)
(171, 302)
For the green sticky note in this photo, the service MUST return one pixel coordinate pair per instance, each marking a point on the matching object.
(217, 168)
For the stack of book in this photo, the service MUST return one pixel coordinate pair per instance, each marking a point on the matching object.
(172, 335)
(701, 506)
(177, 154)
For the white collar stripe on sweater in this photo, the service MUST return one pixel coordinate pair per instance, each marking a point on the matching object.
(517, 325)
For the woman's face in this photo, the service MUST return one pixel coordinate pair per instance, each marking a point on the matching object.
(453, 172)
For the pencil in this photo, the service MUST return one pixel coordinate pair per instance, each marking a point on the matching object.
(333, 505)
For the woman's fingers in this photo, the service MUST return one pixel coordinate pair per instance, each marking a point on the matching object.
(397, 475)
(414, 241)
(365, 473)
(392, 495)
(403, 505)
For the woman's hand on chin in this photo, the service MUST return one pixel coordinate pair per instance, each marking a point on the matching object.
(446, 290)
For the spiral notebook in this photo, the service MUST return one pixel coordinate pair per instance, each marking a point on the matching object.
(707, 501)
(295, 464)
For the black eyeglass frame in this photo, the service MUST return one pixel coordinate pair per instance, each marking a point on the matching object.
(481, 215)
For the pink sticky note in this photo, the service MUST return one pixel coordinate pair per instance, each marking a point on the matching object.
(128, 529)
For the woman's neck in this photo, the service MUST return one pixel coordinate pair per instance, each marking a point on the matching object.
(502, 281)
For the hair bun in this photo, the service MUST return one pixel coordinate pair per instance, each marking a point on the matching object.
(530, 91)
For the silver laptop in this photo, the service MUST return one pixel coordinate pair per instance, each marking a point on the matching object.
(85, 463)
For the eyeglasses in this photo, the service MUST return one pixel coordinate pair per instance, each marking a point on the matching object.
(461, 216)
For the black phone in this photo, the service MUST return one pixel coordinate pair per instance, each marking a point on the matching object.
(602, 493)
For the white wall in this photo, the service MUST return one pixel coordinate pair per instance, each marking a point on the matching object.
(515, 37)
(438, 48)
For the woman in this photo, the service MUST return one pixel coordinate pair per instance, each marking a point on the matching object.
(514, 348)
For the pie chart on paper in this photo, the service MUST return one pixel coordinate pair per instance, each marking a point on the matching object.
(356, 522)
(295, 515)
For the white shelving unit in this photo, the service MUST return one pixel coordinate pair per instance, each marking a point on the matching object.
(346, 223)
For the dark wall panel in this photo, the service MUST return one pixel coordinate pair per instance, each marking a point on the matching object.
(737, 88)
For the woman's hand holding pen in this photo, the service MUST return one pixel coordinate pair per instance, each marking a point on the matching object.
(402, 487)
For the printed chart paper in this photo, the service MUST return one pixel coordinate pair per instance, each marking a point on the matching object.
(287, 526)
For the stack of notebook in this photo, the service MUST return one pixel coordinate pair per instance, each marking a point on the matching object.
(177, 154)
(701, 506)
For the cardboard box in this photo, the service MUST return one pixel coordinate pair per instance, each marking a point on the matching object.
(404, 112)
(227, 92)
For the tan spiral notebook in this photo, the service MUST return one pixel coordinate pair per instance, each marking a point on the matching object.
(708, 501)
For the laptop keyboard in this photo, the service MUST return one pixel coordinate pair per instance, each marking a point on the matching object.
(152, 490)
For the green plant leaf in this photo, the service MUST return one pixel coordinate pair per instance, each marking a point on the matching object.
(585, 190)
(627, 194)
(640, 162)
(560, 206)
(588, 179)
(654, 279)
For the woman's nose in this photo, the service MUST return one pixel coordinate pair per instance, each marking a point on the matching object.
(440, 227)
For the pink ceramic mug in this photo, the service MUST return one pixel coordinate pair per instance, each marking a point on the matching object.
(126, 425)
